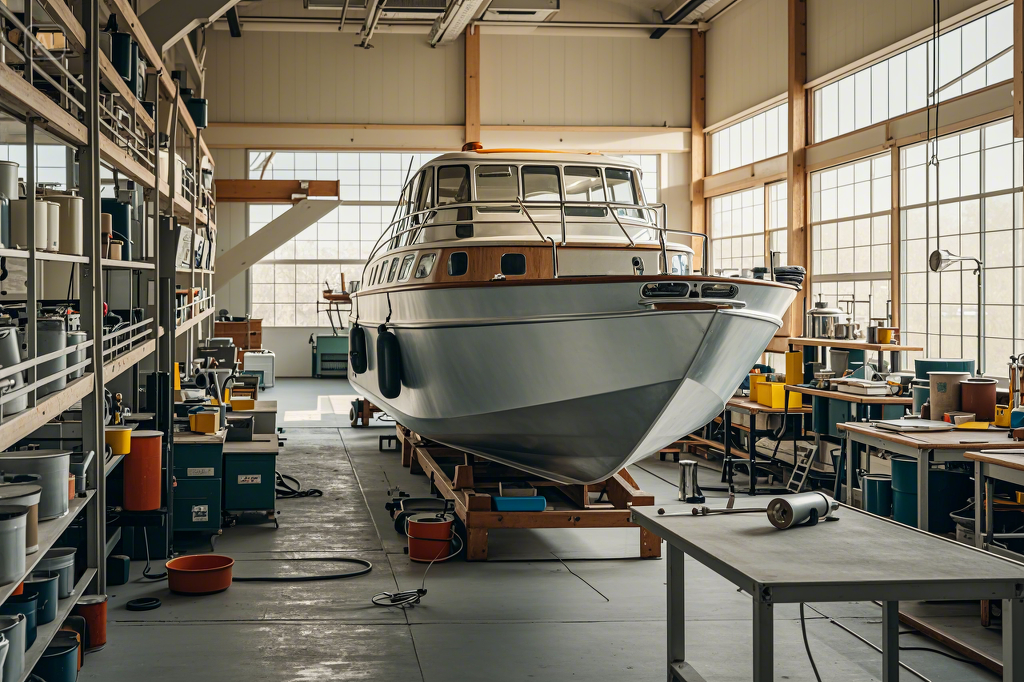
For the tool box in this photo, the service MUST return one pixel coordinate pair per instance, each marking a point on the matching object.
(249, 476)
(260, 360)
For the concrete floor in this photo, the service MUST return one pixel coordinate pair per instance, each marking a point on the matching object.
(550, 605)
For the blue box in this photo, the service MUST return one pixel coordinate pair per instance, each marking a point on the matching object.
(533, 503)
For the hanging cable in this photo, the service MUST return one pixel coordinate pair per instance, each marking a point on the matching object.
(807, 646)
(145, 571)
(404, 598)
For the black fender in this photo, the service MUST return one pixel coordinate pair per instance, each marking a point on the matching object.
(357, 349)
(389, 363)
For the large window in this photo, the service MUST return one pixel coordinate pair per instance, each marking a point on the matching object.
(978, 186)
(759, 137)
(737, 230)
(778, 222)
(850, 236)
(51, 163)
(972, 56)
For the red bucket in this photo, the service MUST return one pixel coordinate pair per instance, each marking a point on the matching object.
(430, 537)
(142, 475)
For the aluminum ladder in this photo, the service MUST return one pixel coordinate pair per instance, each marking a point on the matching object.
(801, 471)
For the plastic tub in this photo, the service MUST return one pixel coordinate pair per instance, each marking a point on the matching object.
(119, 438)
(61, 560)
(54, 467)
(430, 537)
(25, 495)
(45, 584)
(142, 476)
(877, 494)
(12, 542)
(199, 573)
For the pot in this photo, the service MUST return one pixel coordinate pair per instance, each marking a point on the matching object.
(19, 224)
(61, 560)
(25, 495)
(28, 606)
(13, 519)
(978, 395)
(59, 662)
(75, 357)
(70, 221)
(54, 468)
(10, 354)
(821, 321)
(50, 337)
(45, 584)
(944, 392)
(13, 629)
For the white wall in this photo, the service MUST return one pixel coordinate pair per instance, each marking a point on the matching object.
(747, 51)
(585, 81)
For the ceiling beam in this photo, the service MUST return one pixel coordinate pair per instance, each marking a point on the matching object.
(796, 170)
(698, 222)
(676, 18)
(234, 25)
(168, 21)
(472, 84)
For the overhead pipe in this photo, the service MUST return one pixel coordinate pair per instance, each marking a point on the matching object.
(420, 27)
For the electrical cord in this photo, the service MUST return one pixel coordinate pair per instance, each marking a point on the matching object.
(285, 491)
(366, 568)
(807, 645)
(145, 571)
(404, 598)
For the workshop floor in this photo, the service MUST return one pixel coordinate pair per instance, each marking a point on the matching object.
(550, 605)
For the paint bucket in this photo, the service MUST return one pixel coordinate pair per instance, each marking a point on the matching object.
(13, 519)
(978, 395)
(920, 389)
(61, 560)
(142, 477)
(75, 357)
(119, 438)
(19, 224)
(52, 226)
(199, 573)
(59, 662)
(51, 336)
(25, 495)
(93, 608)
(430, 536)
(10, 354)
(70, 221)
(948, 491)
(74, 628)
(944, 392)
(45, 584)
(13, 629)
(115, 249)
(877, 494)
(53, 466)
(922, 366)
(28, 606)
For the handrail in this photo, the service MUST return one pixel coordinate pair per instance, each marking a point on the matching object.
(554, 252)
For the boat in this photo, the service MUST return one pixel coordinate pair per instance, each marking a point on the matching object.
(534, 309)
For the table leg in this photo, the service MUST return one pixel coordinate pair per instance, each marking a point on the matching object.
(752, 447)
(727, 443)
(764, 640)
(990, 512)
(978, 495)
(924, 463)
(891, 641)
(1013, 640)
(851, 467)
(676, 608)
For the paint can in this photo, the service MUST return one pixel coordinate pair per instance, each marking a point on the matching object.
(52, 226)
(25, 495)
(13, 518)
(430, 536)
(10, 354)
(28, 606)
(142, 478)
(53, 466)
(978, 395)
(75, 357)
(119, 438)
(944, 392)
(61, 560)
(19, 224)
(45, 584)
(93, 608)
(70, 221)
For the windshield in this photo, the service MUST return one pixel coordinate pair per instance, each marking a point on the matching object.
(497, 183)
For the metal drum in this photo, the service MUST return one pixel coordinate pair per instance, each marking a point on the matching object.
(77, 356)
(10, 355)
(54, 468)
(8, 193)
(19, 224)
(50, 337)
(70, 222)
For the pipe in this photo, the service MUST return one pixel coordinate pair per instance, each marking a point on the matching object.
(419, 27)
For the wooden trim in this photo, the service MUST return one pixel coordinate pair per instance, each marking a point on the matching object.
(745, 183)
(767, 105)
(894, 237)
(472, 84)
(1018, 68)
(698, 141)
(274, 191)
(590, 129)
(796, 171)
(334, 126)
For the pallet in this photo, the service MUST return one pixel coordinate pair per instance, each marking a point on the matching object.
(362, 412)
(474, 479)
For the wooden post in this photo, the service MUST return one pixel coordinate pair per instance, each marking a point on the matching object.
(894, 238)
(472, 84)
(796, 173)
(1018, 68)
(698, 157)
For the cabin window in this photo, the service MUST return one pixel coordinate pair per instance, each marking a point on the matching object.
(406, 267)
(452, 185)
(622, 191)
(373, 276)
(541, 183)
(584, 183)
(383, 271)
(458, 264)
(681, 264)
(393, 271)
(497, 183)
(513, 264)
(426, 265)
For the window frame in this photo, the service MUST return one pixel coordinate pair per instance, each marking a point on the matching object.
(501, 264)
(404, 273)
(449, 263)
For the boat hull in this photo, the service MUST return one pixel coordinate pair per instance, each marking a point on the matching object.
(572, 397)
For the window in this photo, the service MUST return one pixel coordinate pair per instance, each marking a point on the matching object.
(648, 174)
(622, 191)
(497, 183)
(513, 264)
(681, 264)
(979, 185)
(737, 230)
(458, 264)
(452, 185)
(778, 222)
(287, 284)
(850, 235)
(406, 267)
(759, 137)
(393, 271)
(971, 57)
(426, 265)
(383, 271)
(540, 183)
(584, 183)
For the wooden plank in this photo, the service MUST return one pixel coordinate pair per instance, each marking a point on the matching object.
(26, 422)
(25, 98)
(698, 155)
(65, 18)
(569, 518)
(850, 345)
(274, 191)
(957, 645)
(1018, 68)
(623, 494)
(796, 172)
(463, 477)
(894, 237)
(1010, 461)
(472, 37)
(120, 159)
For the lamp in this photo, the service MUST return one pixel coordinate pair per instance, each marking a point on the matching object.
(939, 260)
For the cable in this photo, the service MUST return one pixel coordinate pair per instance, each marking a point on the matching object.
(934, 651)
(367, 567)
(404, 598)
(807, 646)
(286, 492)
(145, 571)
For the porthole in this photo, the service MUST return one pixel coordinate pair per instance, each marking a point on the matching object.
(458, 264)
(513, 264)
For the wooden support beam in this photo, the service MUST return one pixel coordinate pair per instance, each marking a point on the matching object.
(796, 171)
(274, 191)
(894, 237)
(472, 84)
(1018, 68)
(698, 156)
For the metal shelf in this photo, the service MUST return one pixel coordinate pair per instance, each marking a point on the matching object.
(188, 324)
(45, 633)
(127, 264)
(49, 532)
(44, 255)
(112, 464)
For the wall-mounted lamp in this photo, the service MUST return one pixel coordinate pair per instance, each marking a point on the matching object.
(939, 260)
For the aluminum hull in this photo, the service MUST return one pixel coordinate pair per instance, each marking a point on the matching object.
(507, 374)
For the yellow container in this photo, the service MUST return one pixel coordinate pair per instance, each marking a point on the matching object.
(119, 438)
(755, 381)
(795, 367)
(1003, 416)
(242, 404)
(206, 421)
(773, 395)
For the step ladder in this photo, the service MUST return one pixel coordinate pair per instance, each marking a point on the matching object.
(801, 471)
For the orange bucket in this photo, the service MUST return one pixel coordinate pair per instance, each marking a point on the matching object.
(93, 607)
(430, 536)
(199, 573)
(18, 590)
(142, 474)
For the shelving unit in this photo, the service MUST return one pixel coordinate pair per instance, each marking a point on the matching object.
(79, 99)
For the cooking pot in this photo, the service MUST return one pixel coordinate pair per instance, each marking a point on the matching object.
(50, 337)
(28, 606)
(821, 321)
(54, 466)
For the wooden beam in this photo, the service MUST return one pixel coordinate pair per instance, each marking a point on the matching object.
(796, 172)
(472, 84)
(65, 18)
(698, 155)
(274, 191)
(1018, 68)
(894, 237)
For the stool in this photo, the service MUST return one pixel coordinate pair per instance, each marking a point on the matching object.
(669, 451)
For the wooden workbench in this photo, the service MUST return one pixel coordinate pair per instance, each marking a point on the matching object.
(752, 408)
(892, 349)
(261, 444)
(1006, 465)
(852, 398)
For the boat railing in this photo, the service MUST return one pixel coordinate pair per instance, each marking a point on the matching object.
(416, 221)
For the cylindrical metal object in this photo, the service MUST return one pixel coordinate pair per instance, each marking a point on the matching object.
(11, 355)
(13, 520)
(54, 466)
(9, 179)
(978, 395)
(793, 510)
(689, 490)
(52, 226)
(50, 337)
(944, 392)
(142, 471)
(19, 224)
(25, 495)
(75, 338)
(70, 221)
(13, 628)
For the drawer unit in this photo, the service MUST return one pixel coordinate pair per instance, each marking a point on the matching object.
(197, 504)
(249, 482)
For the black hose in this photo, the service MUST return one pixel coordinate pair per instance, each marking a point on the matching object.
(145, 571)
(366, 568)
(285, 491)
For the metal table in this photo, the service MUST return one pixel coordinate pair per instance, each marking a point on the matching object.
(989, 467)
(940, 446)
(893, 562)
(754, 408)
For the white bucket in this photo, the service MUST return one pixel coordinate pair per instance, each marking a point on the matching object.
(71, 217)
(19, 224)
(52, 226)
(944, 392)
(13, 519)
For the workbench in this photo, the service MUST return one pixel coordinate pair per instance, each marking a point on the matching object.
(264, 414)
(753, 409)
(249, 476)
(813, 564)
(926, 448)
(842, 344)
(991, 466)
